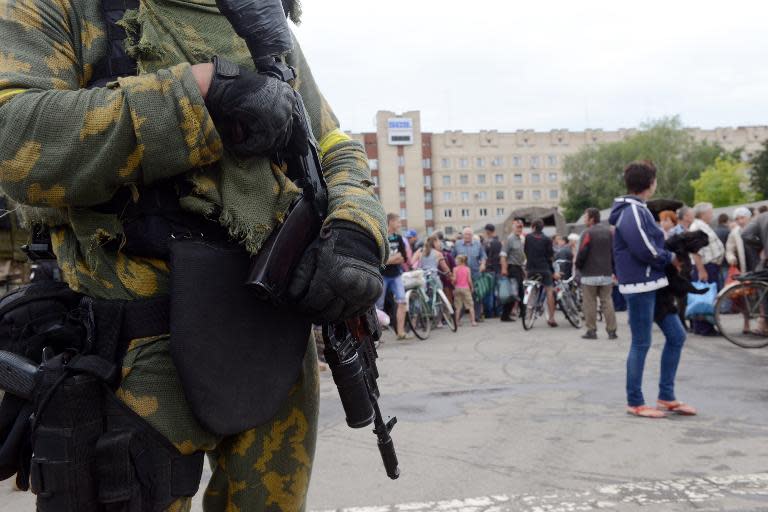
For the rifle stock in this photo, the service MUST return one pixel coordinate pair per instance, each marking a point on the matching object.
(17, 375)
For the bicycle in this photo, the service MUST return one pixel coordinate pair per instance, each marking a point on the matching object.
(566, 301)
(741, 303)
(567, 294)
(428, 305)
(533, 301)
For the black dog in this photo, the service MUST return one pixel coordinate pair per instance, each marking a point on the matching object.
(683, 245)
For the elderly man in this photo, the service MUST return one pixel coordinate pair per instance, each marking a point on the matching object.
(513, 266)
(735, 251)
(708, 260)
(476, 257)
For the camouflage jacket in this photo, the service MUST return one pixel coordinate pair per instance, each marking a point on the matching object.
(65, 149)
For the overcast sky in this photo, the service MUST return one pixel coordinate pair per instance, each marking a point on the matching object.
(538, 64)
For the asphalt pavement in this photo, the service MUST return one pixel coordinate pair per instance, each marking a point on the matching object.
(495, 419)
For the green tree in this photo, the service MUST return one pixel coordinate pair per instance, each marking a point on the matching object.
(759, 174)
(594, 175)
(724, 183)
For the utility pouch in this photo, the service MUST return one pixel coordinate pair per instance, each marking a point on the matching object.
(68, 421)
(237, 356)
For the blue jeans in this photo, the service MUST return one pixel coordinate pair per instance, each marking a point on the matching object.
(641, 308)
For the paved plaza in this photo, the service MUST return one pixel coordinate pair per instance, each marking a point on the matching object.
(497, 419)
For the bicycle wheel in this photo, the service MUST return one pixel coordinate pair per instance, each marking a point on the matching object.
(569, 309)
(447, 311)
(740, 314)
(531, 306)
(419, 315)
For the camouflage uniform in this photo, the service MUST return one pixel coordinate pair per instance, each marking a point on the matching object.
(64, 150)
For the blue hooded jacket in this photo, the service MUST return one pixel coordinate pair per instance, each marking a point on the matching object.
(638, 247)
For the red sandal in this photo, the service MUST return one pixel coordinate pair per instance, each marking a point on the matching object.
(643, 411)
(676, 407)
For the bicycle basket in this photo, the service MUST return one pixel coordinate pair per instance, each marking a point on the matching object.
(414, 279)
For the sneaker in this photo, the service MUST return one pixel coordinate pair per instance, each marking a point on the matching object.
(612, 335)
(590, 335)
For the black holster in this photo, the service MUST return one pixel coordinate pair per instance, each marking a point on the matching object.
(81, 447)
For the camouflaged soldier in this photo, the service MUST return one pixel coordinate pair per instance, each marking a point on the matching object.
(68, 148)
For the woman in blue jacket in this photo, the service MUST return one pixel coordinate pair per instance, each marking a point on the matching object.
(640, 260)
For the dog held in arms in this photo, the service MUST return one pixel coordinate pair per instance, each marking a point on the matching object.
(683, 245)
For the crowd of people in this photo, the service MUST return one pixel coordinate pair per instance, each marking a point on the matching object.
(646, 262)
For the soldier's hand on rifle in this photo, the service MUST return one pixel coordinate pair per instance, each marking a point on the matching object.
(338, 277)
(256, 114)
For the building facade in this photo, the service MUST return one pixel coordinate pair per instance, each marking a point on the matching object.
(445, 181)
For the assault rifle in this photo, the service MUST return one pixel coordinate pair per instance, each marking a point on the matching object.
(350, 349)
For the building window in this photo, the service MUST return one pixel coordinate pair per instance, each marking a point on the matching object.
(534, 162)
(447, 180)
(519, 195)
(445, 163)
(426, 163)
(499, 212)
(428, 197)
(373, 164)
(535, 177)
(463, 163)
(428, 181)
(554, 193)
(447, 213)
(464, 179)
(428, 214)
(375, 181)
(553, 177)
(517, 178)
(401, 161)
(552, 159)
(498, 161)
(498, 179)
(447, 196)
(483, 212)
(500, 195)
(517, 161)
(404, 214)
(402, 196)
(465, 196)
(480, 162)
(465, 213)
(448, 230)
(481, 179)
(536, 195)
(482, 196)
(402, 180)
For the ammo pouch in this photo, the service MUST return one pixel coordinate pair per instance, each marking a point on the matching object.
(88, 451)
(238, 356)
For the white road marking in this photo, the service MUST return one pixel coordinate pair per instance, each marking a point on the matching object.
(686, 490)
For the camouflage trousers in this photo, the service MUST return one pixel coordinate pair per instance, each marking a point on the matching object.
(266, 468)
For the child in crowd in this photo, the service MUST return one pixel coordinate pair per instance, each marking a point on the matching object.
(462, 295)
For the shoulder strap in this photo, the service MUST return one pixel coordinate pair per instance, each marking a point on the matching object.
(116, 63)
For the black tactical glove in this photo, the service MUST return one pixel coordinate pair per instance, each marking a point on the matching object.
(257, 115)
(339, 276)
